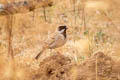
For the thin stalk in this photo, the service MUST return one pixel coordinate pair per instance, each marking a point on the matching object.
(45, 14)
(83, 15)
(9, 27)
(33, 18)
(74, 9)
(96, 68)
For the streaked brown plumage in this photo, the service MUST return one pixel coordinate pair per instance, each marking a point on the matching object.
(57, 41)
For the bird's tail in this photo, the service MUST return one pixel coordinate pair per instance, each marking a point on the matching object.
(38, 55)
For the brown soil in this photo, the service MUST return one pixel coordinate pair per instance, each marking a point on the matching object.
(54, 68)
(59, 67)
(100, 67)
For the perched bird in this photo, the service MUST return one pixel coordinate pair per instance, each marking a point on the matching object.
(56, 41)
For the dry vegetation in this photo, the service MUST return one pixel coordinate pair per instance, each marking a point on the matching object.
(91, 53)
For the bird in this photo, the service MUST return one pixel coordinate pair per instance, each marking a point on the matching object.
(56, 41)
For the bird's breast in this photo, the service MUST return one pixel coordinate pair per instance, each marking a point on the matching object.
(60, 40)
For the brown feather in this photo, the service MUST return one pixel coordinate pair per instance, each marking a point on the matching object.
(38, 55)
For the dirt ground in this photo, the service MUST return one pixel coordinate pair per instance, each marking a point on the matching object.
(59, 67)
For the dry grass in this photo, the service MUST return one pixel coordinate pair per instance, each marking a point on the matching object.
(101, 33)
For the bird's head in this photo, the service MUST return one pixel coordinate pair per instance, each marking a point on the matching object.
(62, 29)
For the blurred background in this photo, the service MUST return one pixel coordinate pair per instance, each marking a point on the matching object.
(94, 25)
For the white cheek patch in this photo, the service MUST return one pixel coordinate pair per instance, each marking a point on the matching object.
(62, 31)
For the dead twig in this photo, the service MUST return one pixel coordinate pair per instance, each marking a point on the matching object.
(96, 68)
(9, 27)
(74, 9)
(83, 15)
(44, 11)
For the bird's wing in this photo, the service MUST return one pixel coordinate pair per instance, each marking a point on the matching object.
(48, 42)
(51, 39)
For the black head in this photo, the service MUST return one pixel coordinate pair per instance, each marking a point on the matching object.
(62, 27)
(62, 30)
